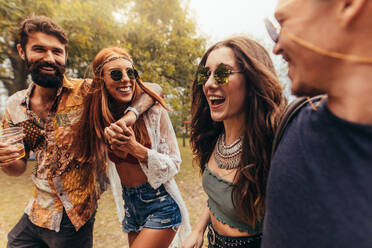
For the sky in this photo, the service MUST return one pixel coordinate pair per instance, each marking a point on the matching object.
(220, 19)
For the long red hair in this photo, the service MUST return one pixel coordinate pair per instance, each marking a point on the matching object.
(97, 112)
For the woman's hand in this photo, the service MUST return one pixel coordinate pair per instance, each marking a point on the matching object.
(194, 240)
(114, 133)
(121, 138)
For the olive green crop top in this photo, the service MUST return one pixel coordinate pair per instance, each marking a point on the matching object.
(220, 203)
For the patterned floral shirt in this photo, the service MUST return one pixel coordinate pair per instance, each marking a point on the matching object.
(60, 181)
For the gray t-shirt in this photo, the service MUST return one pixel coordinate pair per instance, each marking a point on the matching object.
(319, 190)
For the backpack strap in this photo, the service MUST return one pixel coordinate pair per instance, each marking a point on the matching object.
(290, 112)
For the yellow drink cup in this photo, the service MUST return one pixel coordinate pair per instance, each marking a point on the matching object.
(13, 138)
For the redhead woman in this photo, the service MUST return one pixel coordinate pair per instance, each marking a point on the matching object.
(237, 102)
(143, 159)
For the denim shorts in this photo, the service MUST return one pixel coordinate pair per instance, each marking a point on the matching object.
(217, 240)
(146, 207)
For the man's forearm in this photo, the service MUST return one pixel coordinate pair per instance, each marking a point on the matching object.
(144, 102)
(155, 87)
(140, 105)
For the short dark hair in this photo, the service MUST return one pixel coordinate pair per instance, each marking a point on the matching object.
(43, 24)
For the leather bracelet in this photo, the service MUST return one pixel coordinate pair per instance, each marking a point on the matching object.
(133, 110)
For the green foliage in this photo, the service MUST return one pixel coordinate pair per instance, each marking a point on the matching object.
(166, 50)
(159, 34)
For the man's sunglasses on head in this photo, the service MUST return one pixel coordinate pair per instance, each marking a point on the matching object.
(274, 35)
(271, 30)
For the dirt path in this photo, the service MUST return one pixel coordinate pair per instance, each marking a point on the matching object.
(16, 191)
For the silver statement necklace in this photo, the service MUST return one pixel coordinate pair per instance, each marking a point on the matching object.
(228, 157)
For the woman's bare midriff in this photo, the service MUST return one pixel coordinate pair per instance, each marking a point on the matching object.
(227, 230)
(131, 175)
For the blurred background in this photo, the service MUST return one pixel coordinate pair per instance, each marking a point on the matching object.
(165, 37)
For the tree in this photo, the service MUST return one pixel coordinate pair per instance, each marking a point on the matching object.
(159, 34)
(12, 13)
(88, 25)
(165, 37)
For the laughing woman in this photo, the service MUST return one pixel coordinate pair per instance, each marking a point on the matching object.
(237, 102)
(145, 157)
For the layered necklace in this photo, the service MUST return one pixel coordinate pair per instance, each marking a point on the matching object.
(228, 157)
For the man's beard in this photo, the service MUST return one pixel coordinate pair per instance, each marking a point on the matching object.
(46, 80)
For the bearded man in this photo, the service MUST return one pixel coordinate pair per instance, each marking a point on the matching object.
(62, 208)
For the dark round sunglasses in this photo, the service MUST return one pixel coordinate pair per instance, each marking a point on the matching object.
(117, 74)
(221, 74)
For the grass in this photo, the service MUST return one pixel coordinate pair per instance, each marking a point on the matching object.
(16, 191)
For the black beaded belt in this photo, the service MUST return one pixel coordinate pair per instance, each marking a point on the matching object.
(217, 240)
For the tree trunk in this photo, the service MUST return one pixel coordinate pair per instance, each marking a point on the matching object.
(19, 71)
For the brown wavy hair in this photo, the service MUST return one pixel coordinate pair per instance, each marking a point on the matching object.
(97, 112)
(264, 105)
(43, 24)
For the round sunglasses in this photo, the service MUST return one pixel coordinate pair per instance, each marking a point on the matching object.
(221, 74)
(117, 74)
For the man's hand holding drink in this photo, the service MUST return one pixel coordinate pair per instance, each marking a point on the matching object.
(11, 145)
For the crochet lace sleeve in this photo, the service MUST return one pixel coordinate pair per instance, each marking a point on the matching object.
(164, 159)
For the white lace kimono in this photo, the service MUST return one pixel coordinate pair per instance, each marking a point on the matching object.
(163, 164)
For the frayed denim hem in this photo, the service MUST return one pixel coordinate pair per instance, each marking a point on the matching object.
(174, 228)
